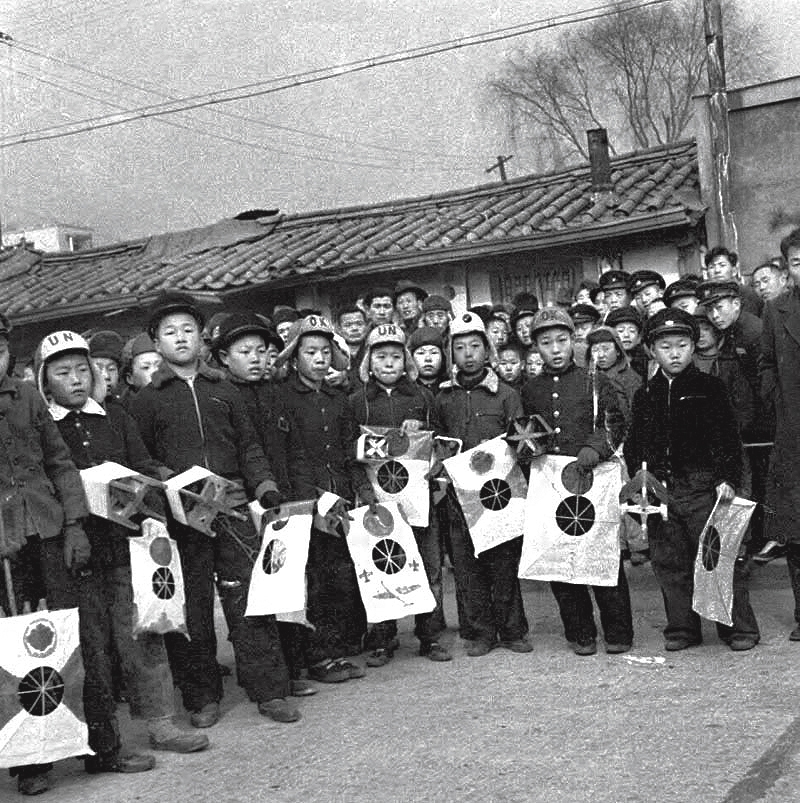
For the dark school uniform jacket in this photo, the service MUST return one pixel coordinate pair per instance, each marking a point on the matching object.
(686, 430)
(204, 423)
(374, 404)
(40, 487)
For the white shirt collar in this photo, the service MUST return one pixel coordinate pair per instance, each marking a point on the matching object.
(91, 407)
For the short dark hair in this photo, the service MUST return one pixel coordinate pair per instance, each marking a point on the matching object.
(721, 251)
(779, 266)
(351, 309)
(791, 240)
(514, 346)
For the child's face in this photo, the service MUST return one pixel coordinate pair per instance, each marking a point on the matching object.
(616, 298)
(646, 297)
(509, 365)
(582, 330)
(178, 339)
(555, 346)
(428, 360)
(69, 380)
(522, 329)
(246, 358)
(604, 355)
(673, 353)
(686, 303)
(707, 341)
(313, 358)
(283, 330)
(533, 364)
(109, 370)
(387, 363)
(143, 367)
(725, 312)
(272, 358)
(497, 332)
(353, 327)
(469, 353)
(628, 335)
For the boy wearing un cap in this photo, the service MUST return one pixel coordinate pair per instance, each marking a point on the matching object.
(684, 428)
(564, 395)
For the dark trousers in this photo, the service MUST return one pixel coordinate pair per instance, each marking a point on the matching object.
(577, 613)
(260, 666)
(428, 627)
(489, 588)
(334, 603)
(793, 565)
(673, 549)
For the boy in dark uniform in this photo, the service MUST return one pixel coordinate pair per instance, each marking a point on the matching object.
(685, 429)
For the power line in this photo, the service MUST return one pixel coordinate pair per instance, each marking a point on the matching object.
(266, 87)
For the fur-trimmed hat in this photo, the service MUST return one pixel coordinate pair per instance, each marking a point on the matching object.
(314, 325)
(432, 303)
(106, 344)
(425, 336)
(57, 344)
(169, 302)
(380, 335)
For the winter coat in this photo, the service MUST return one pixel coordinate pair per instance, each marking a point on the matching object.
(205, 424)
(780, 389)
(374, 405)
(40, 488)
(327, 428)
(740, 391)
(476, 414)
(685, 430)
(92, 439)
(279, 438)
(566, 402)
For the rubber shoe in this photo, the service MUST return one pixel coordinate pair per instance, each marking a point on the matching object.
(617, 649)
(35, 784)
(518, 645)
(434, 651)
(769, 552)
(477, 649)
(301, 688)
(677, 644)
(206, 717)
(279, 709)
(742, 643)
(585, 649)
(328, 672)
(354, 671)
(379, 657)
(181, 743)
(117, 762)
(795, 634)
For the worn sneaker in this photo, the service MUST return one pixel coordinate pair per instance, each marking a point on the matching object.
(118, 762)
(380, 657)
(518, 645)
(328, 672)
(678, 643)
(617, 649)
(589, 648)
(478, 648)
(206, 717)
(301, 688)
(354, 671)
(166, 735)
(279, 709)
(795, 634)
(35, 784)
(769, 552)
(434, 651)
(742, 643)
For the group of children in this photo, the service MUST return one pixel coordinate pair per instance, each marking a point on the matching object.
(277, 411)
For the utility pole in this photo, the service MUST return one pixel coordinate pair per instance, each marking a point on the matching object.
(501, 166)
(718, 123)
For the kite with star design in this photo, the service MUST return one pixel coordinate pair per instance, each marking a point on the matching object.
(528, 436)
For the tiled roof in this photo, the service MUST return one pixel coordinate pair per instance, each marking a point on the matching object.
(651, 189)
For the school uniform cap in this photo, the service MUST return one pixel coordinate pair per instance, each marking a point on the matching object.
(237, 325)
(685, 287)
(378, 292)
(106, 344)
(432, 303)
(405, 286)
(671, 321)
(550, 318)
(425, 336)
(313, 325)
(645, 278)
(709, 292)
(169, 302)
(584, 313)
(624, 315)
(615, 280)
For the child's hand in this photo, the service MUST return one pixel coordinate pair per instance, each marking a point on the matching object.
(725, 492)
(411, 425)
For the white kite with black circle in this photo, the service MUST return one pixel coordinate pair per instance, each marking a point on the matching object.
(159, 601)
(278, 581)
(391, 576)
(572, 521)
(490, 489)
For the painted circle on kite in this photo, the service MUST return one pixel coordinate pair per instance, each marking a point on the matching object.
(40, 692)
(40, 638)
(392, 477)
(575, 515)
(495, 494)
(274, 557)
(379, 523)
(575, 480)
(161, 551)
(711, 548)
(397, 442)
(388, 556)
(481, 462)
(279, 524)
(163, 583)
